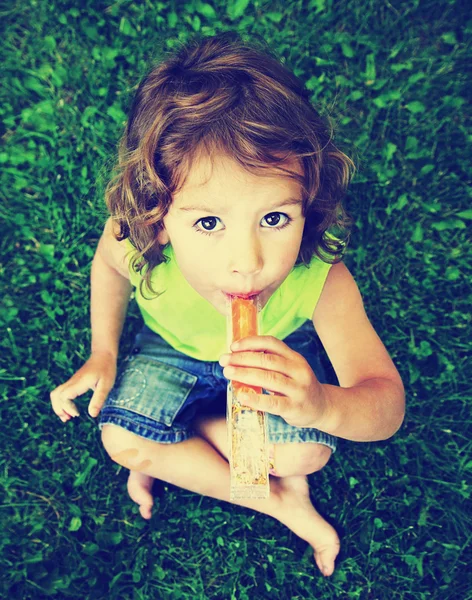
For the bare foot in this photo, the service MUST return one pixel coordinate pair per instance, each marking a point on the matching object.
(139, 489)
(296, 511)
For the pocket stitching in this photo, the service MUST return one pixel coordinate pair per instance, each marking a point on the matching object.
(166, 417)
(143, 387)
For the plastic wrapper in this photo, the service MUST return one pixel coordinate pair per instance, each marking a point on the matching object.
(247, 428)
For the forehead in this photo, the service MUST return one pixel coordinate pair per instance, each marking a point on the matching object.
(220, 172)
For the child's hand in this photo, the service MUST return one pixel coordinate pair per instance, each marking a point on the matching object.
(97, 374)
(265, 361)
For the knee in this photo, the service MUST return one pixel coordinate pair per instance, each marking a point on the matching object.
(300, 458)
(317, 458)
(113, 440)
(124, 448)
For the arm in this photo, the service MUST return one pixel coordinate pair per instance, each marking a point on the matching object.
(110, 293)
(369, 405)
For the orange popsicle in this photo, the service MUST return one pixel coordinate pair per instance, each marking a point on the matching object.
(244, 320)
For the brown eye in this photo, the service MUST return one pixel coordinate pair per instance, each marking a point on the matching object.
(208, 224)
(274, 218)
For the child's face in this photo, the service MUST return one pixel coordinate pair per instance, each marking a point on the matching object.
(245, 251)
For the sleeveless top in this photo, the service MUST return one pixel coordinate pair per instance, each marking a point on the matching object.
(191, 325)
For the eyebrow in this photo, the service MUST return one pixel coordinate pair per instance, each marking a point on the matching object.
(201, 208)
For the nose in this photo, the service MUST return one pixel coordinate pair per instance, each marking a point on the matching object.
(246, 255)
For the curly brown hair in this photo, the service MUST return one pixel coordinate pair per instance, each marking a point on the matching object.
(223, 95)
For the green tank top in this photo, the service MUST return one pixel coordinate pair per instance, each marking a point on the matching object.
(190, 324)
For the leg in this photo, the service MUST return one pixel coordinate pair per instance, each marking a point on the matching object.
(193, 464)
(196, 466)
(292, 462)
(290, 459)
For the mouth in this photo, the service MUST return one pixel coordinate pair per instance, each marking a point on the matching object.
(243, 296)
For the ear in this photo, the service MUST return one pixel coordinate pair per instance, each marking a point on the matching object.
(163, 237)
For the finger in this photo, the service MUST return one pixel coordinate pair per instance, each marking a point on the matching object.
(98, 399)
(62, 397)
(261, 360)
(269, 380)
(65, 417)
(62, 406)
(273, 404)
(69, 391)
(267, 343)
(69, 408)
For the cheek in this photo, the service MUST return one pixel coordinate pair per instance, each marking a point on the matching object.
(287, 261)
(288, 257)
(196, 265)
(289, 248)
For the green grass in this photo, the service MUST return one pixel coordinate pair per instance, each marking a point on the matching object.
(393, 77)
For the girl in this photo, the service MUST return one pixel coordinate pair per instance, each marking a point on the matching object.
(229, 184)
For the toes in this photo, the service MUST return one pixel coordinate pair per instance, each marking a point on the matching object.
(144, 500)
(324, 567)
(325, 560)
(139, 490)
(145, 511)
(139, 494)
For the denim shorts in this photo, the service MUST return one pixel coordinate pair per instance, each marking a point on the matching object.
(159, 391)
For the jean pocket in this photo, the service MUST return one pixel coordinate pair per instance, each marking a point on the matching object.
(151, 388)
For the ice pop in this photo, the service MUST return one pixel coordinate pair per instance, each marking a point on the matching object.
(247, 428)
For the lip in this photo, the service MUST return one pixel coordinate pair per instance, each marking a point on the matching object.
(243, 296)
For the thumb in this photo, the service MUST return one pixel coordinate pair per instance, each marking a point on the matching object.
(99, 396)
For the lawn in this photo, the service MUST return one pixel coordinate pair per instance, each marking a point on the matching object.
(393, 78)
